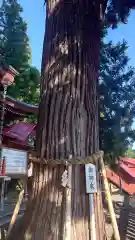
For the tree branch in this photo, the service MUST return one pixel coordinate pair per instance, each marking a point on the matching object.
(104, 6)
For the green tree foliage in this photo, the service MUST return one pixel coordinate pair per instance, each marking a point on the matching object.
(116, 84)
(117, 11)
(15, 50)
(15, 46)
(130, 153)
(26, 87)
(117, 99)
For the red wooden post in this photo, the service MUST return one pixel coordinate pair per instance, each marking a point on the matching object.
(3, 167)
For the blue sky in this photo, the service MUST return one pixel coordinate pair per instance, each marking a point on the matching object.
(125, 31)
(34, 15)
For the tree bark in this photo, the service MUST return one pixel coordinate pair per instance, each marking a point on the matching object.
(67, 121)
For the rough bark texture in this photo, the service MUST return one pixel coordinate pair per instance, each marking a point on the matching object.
(68, 120)
(69, 80)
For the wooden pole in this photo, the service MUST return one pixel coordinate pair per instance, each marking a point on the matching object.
(68, 206)
(25, 189)
(2, 193)
(109, 201)
(92, 217)
(15, 213)
(3, 237)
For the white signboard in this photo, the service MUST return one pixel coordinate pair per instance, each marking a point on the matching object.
(16, 161)
(91, 181)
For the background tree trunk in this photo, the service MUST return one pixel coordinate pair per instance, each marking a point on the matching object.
(67, 121)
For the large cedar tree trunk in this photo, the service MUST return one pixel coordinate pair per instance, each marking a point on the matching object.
(67, 122)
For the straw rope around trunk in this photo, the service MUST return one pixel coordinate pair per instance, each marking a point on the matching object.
(90, 159)
(94, 158)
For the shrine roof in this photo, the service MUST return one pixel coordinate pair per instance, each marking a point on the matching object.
(21, 106)
(19, 131)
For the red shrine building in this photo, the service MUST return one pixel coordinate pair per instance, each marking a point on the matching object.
(17, 133)
(17, 137)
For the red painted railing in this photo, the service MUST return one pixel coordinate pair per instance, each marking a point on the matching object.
(120, 182)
